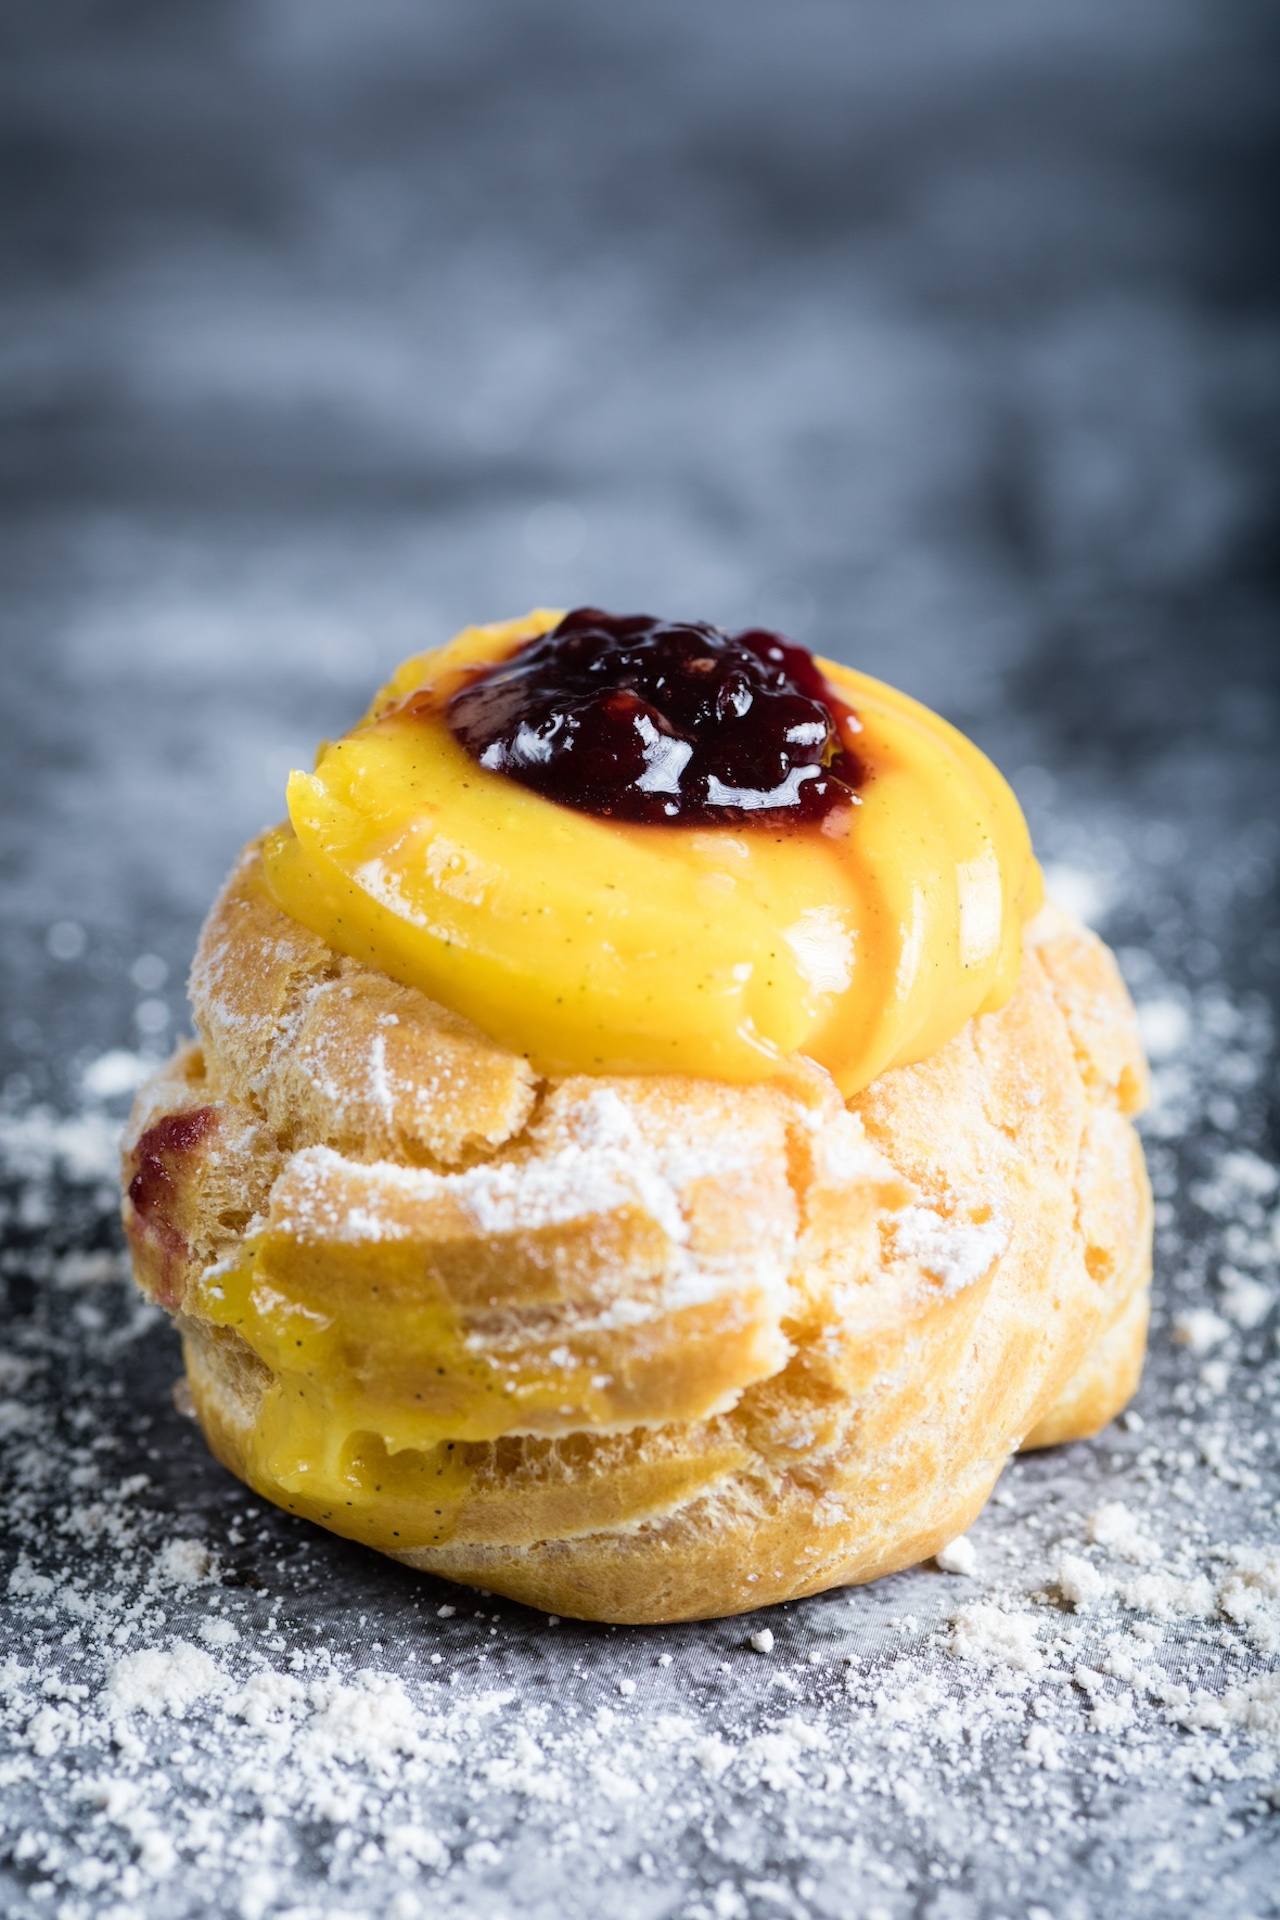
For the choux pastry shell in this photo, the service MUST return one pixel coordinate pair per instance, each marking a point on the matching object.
(673, 1348)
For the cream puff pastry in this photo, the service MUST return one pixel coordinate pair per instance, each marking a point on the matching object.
(645, 1214)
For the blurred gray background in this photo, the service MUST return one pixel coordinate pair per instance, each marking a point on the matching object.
(941, 336)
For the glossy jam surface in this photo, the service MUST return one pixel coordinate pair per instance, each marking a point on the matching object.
(861, 941)
(662, 721)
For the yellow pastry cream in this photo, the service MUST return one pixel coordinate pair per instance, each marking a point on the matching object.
(731, 947)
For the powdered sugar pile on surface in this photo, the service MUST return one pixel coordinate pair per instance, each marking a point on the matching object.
(208, 1706)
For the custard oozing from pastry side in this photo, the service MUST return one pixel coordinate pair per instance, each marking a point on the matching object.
(664, 865)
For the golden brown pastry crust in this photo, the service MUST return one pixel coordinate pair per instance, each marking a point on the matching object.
(800, 1341)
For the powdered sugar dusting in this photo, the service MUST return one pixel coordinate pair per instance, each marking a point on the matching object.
(954, 1252)
(607, 1164)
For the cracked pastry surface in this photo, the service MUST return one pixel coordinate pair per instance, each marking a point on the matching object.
(635, 1347)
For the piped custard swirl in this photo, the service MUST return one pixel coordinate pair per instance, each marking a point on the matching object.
(788, 862)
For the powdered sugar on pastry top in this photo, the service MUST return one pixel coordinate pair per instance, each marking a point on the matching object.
(953, 1251)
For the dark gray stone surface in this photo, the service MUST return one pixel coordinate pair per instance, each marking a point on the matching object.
(943, 337)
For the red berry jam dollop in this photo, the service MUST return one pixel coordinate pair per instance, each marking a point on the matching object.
(663, 722)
